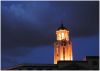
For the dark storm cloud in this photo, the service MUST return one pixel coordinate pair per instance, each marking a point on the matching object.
(27, 27)
(32, 23)
(22, 55)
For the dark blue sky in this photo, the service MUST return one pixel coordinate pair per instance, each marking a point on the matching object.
(28, 30)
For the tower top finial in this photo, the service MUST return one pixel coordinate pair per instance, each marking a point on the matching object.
(62, 26)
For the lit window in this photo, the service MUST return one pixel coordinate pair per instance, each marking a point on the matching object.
(62, 35)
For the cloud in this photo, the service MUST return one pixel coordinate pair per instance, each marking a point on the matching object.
(27, 26)
(25, 55)
(35, 23)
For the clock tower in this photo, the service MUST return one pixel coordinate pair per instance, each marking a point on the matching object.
(63, 45)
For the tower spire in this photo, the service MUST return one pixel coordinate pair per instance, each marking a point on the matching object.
(62, 23)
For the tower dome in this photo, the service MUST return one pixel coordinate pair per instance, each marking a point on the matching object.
(62, 28)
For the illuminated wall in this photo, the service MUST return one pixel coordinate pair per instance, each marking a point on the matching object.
(62, 34)
(63, 46)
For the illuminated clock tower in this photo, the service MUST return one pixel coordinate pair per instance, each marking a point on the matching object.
(63, 45)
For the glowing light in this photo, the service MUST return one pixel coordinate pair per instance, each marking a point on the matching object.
(62, 52)
(61, 58)
(63, 36)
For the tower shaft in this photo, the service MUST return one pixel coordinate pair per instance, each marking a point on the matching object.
(62, 51)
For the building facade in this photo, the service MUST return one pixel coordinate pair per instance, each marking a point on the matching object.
(91, 63)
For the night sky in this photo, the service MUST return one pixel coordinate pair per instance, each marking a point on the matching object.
(28, 30)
